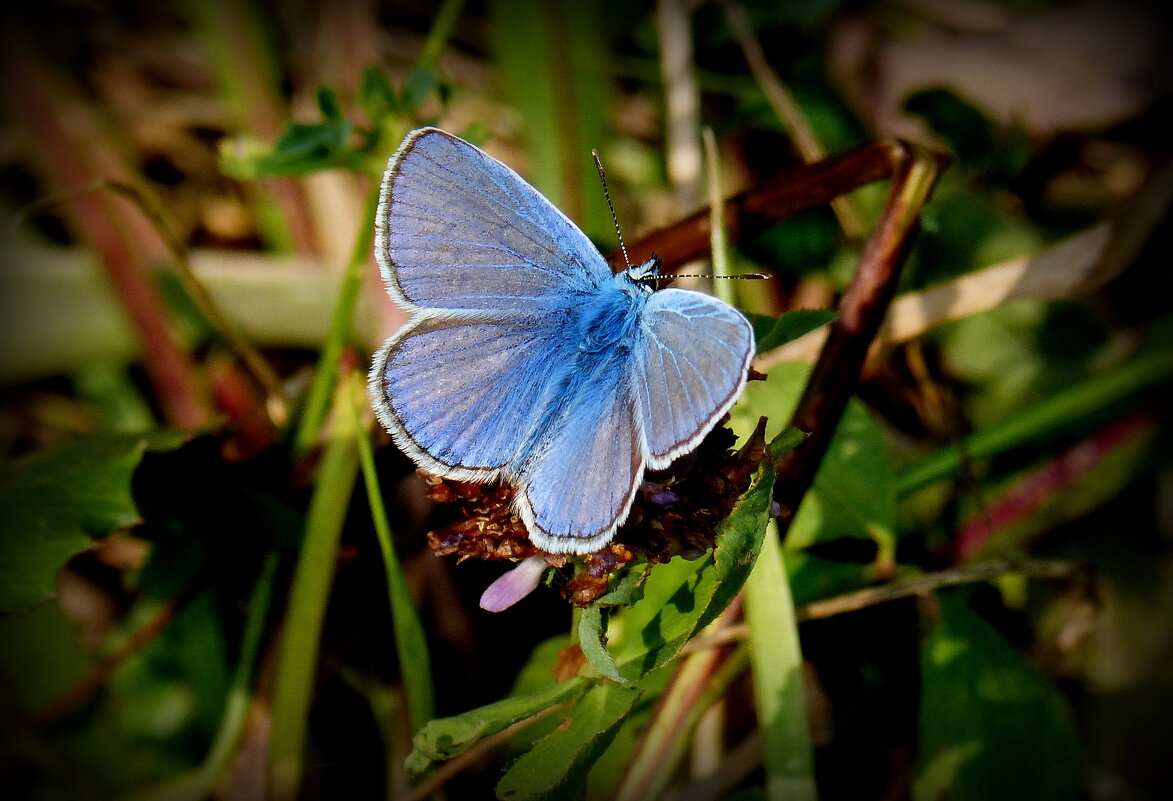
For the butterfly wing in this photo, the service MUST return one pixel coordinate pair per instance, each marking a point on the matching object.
(493, 275)
(688, 367)
(458, 230)
(461, 397)
(578, 485)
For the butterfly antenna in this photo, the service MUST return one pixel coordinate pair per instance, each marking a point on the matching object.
(741, 277)
(607, 195)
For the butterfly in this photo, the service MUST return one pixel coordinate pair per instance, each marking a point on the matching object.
(525, 358)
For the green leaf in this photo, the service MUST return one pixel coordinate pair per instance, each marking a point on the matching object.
(592, 623)
(419, 86)
(990, 725)
(538, 672)
(560, 761)
(375, 95)
(787, 440)
(774, 332)
(54, 503)
(664, 616)
(301, 149)
(592, 638)
(739, 540)
(329, 104)
(854, 493)
(681, 598)
(447, 737)
(411, 642)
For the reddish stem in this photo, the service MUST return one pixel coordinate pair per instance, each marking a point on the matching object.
(63, 128)
(100, 674)
(861, 311)
(1038, 487)
(753, 211)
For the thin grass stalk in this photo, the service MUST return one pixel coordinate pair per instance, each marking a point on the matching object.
(298, 652)
(701, 679)
(803, 134)
(411, 644)
(252, 359)
(341, 323)
(441, 31)
(718, 240)
(342, 320)
(233, 37)
(1062, 411)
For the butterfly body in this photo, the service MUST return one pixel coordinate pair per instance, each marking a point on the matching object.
(526, 359)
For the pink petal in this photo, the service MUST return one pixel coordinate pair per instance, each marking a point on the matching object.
(514, 585)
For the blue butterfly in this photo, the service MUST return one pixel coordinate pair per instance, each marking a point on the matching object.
(526, 359)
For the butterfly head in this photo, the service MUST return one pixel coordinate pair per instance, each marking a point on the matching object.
(646, 275)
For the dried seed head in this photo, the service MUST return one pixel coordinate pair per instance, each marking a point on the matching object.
(675, 513)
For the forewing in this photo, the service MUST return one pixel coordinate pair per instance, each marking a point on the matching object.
(577, 488)
(689, 366)
(457, 229)
(460, 397)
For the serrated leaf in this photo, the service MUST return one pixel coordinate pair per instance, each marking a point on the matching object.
(54, 503)
(774, 332)
(681, 598)
(592, 639)
(447, 737)
(560, 761)
(739, 541)
(991, 726)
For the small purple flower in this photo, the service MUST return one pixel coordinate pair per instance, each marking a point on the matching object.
(775, 509)
(514, 585)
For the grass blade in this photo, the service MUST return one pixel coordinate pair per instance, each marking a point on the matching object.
(776, 661)
(1043, 419)
(298, 656)
(411, 645)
